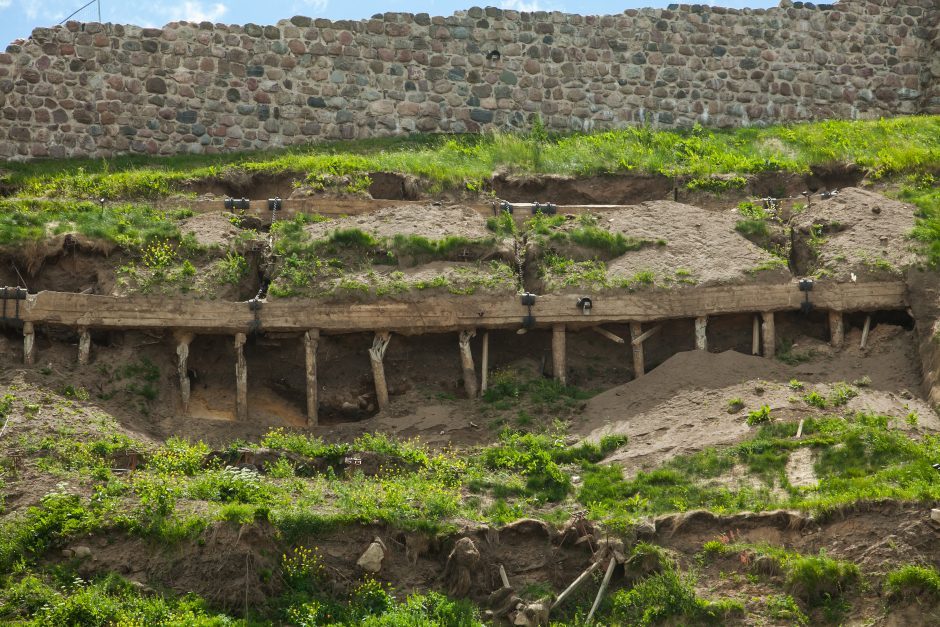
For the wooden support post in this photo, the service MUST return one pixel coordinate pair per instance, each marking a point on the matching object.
(376, 355)
(647, 334)
(600, 592)
(836, 329)
(770, 342)
(84, 346)
(241, 378)
(311, 340)
(610, 336)
(865, 330)
(577, 582)
(183, 341)
(466, 363)
(485, 366)
(701, 339)
(558, 354)
(29, 344)
(636, 332)
(755, 337)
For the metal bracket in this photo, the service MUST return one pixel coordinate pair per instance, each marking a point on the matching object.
(16, 294)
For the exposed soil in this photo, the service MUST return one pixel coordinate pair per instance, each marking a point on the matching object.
(857, 232)
(701, 242)
(432, 221)
(693, 388)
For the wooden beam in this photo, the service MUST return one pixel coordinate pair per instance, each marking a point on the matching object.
(485, 366)
(701, 336)
(755, 336)
(311, 341)
(770, 341)
(610, 336)
(636, 332)
(183, 340)
(559, 367)
(84, 346)
(241, 378)
(376, 356)
(865, 330)
(638, 340)
(466, 362)
(444, 314)
(836, 329)
(29, 344)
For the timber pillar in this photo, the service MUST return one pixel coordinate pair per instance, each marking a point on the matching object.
(183, 340)
(84, 346)
(559, 363)
(836, 329)
(311, 341)
(29, 344)
(466, 363)
(770, 340)
(241, 378)
(701, 337)
(376, 356)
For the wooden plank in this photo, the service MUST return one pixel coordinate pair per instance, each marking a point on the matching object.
(638, 340)
(610, 336)
(445, 313)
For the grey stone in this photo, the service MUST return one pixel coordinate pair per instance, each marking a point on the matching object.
(481, 115)
(186, 117)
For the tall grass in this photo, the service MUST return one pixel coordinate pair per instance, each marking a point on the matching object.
(459, 162)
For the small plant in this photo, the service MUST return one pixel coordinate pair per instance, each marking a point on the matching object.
(735, 405)
(864, 382)
(783, 607)
(159, 255)
(759, 416)
(841, 394)
(912, 419)
(302, 567)
(815, 399)
(794, 384)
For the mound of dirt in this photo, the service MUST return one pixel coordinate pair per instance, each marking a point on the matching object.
(701, 245)
(210, 229)
(681, 407)
(854, 232)
(430, 221)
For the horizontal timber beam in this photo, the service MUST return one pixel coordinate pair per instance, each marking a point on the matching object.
(447, 313)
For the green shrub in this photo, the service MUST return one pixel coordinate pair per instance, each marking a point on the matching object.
(815, 399)
(667, 597)
(816, 579)
(913, 581)
(759, 416)
(735, 405)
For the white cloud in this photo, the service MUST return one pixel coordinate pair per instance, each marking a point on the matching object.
(315, 5)
(5, 4)
(195, 11)
(521, 5)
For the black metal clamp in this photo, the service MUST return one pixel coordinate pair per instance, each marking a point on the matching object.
(585, 304)
(232, 204)
(16, 294)
(806, 286)
(528, 300)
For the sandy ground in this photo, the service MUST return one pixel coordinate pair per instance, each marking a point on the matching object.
(863, 233)
(431, 221)
(682, 406)
(210, 229)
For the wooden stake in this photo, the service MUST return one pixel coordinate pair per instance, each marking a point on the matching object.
(610, 336)
(84, 346)
(865, 330)
(311, 341)
(770, 342)
(558, 353)
(602, 590)
(836, 329)
(29, 344)
(636, 331)
(485, 366)
(701, 339)
(466, 362)
(638, 340)
(376, 355)
(183, 341)
(799, 430)
(755, 337)
(504, 577)
(241, 378)
(577, 582)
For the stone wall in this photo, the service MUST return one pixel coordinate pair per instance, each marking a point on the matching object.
(101, 89)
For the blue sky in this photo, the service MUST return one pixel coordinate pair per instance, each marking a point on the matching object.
(19, 17)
